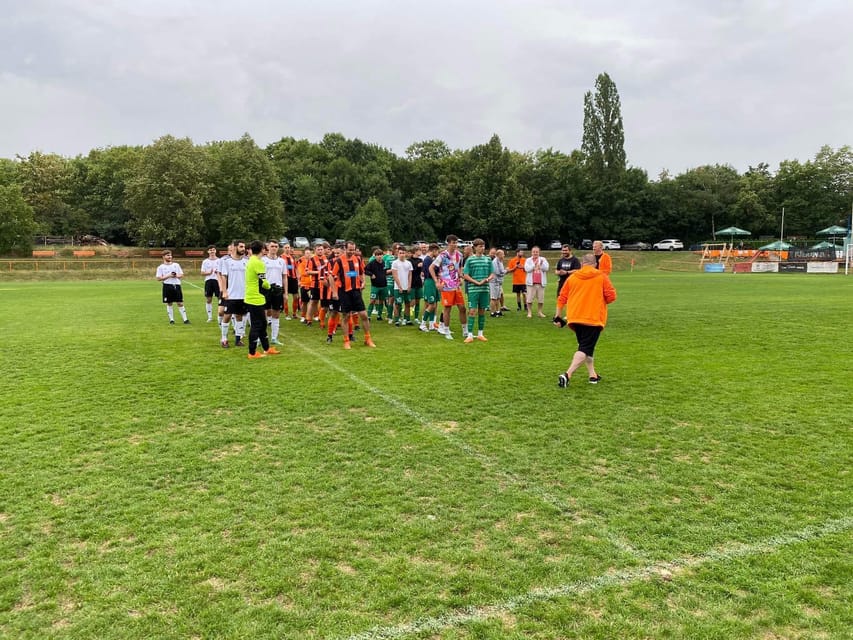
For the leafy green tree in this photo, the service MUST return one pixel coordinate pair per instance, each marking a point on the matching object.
(369, 226)
(8, 172)
(300, 166)
(430, 180)
(705, 200)
(242, 200)
(17, 224)
(98, 184)
(495, 204)
(45, 180)
(166, 193)
(755, 208)
(558, 186)
(603, 141)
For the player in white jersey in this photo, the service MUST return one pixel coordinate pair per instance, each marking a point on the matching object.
(277, 277)
(209, 267)
(233, 272)
(170, 274)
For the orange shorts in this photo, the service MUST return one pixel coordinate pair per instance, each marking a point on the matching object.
(452, 298)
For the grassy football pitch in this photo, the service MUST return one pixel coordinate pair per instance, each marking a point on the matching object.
(155, 485)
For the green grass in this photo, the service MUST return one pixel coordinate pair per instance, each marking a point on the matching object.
(154, 485)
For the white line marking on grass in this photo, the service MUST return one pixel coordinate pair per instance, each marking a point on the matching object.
(621, 578)
(485, 461)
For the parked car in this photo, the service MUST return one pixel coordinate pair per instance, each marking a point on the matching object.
(670, 244)
(586, 243)
(637, 246)
(464, 243)
(301, 242)
(555, 244)
(611, 244)
(521, 245)
(283, 240)
(317, 241)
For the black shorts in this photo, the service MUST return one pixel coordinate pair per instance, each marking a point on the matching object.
(172, 293)
(211, 288)
(275, 301)
(334, 305)
(305, 295)
(325, 302)
(315, 293)
(351, 301)
(292, 286)
(235, 307)
(587, 336)
(519, 288)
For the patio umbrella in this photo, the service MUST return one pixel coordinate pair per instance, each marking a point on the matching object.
(779, 245)
(826, 244)
(732, 232)
(833, 231)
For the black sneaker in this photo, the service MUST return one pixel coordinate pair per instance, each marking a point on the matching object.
(239, 342)
(563, 381)
(186, 321)
(171, 322)
(595, 380)
(328, 339)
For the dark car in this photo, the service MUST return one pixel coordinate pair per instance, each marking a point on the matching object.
(586, 243)
(637, 246)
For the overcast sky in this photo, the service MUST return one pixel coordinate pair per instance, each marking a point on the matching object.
(701, 82)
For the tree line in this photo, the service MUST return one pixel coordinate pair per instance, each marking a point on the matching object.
(179, 193)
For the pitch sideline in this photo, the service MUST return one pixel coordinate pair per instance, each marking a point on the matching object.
(485, 461)
(621, 578)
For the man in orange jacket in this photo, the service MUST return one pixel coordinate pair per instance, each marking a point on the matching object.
(602, 261)
(586, 293)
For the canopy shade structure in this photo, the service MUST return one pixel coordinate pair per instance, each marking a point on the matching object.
(779, 245)
(733, 231)
(834, 230)
(826, 244)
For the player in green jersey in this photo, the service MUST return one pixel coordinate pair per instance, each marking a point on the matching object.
(478, 272)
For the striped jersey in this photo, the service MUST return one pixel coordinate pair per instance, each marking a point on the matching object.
(479, 268)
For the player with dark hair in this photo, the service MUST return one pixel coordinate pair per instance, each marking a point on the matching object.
(170, 274)
(348, 282)
(277, 277)
(211, 282)
(255, 301)
(233, 284)
(477, 272)
(446, 270)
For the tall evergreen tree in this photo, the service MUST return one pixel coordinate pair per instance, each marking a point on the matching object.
(603, 136)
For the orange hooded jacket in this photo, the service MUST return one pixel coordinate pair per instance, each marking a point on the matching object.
(586, 294)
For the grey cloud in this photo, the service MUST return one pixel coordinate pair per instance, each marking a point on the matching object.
(700, 82)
